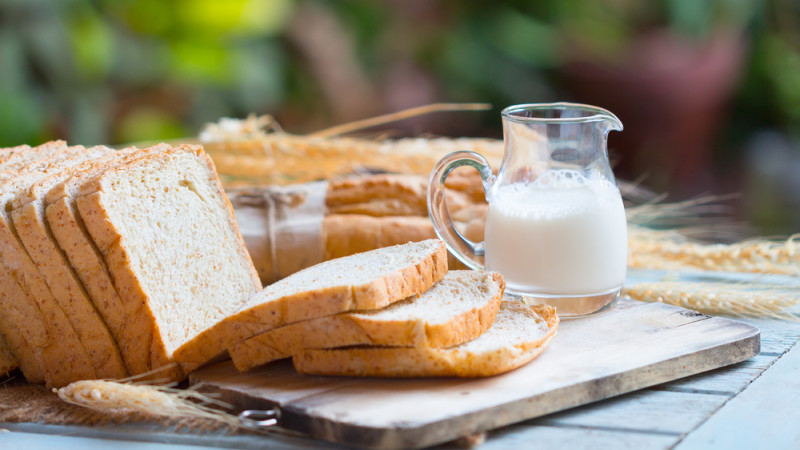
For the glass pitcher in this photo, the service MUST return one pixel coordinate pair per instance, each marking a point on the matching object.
(555, 227)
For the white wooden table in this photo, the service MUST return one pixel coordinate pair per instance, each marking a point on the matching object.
(754, 404)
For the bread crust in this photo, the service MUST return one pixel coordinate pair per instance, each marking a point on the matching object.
(379, 195)
(428, 362)
(8, 361)
(395, 286)
(22, 328)
(349, 329)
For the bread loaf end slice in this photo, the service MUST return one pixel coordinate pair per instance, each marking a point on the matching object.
(367, 280)
(519, 334)
(457, 309)
(171, 244)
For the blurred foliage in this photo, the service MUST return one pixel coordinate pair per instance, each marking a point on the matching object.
(117, 71)
(113, 71)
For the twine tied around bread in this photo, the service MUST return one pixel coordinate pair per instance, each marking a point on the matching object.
(282, 227)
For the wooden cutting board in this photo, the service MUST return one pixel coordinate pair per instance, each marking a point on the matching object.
(630, 346)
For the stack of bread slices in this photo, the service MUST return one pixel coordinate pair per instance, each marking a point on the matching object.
(129, 262)
(394, 311)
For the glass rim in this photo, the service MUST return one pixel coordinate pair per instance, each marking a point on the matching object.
(598, 113)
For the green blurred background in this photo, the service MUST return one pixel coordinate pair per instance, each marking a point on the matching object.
(709, 91)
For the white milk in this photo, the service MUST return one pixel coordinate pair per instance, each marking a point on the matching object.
(561, 235)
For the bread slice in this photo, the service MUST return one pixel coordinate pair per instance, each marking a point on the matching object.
(21, 324)
(8, 361)
(28, 214)
(519, 334)
(63, 357)
(171, 244)
(86, 261)
(455, 310)
(11, 153)
(368, 280)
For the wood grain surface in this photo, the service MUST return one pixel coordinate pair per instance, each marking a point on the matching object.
(624, 348)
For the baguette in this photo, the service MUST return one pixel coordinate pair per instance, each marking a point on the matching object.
(519, 334)
(368, 280)
(455, 310)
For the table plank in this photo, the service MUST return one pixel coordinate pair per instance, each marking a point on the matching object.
(764, 415)
(36, 441)
(650, 411)
(548, 438)
(778, 336)
(727, 380)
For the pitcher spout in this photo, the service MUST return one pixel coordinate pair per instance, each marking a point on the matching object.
(560, 114)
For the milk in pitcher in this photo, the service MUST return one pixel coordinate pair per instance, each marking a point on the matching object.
(561, 234)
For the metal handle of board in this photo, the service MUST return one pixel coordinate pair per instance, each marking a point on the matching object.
(259, 418)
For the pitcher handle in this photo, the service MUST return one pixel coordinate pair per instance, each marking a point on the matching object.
(468, 252)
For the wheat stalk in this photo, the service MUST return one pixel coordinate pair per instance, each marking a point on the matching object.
(151, 400)
(736, 299)
(670, 251)
(255, 151)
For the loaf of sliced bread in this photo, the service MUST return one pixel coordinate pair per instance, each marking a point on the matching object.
(37, 316)
(455, 310)
(9, 152)
(172, 247)
(519, 334)
(28, 215)
(85, 259)
(12, 161)
(64, 358)
(368, 280)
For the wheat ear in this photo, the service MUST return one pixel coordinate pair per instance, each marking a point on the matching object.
(151, 400)
(735, 299)
(659, 250)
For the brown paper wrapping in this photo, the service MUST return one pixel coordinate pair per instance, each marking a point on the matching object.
(288, 228)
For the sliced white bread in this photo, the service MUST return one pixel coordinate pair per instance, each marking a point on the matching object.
(519, 334)
(11, 161)
(63, 356)
(28, 214)
(171, 244)
(74, 241)
(455, 310)
(21, 323)
(9, 152)
(368, 280)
